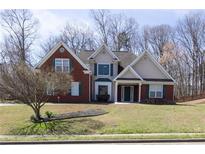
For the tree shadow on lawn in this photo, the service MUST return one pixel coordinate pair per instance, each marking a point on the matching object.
(176, 104)
(180, 104)
(81, 126)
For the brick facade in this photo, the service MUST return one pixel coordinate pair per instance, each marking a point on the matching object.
(168, 93)
(76, 73)
(144, 92)
(136, 92)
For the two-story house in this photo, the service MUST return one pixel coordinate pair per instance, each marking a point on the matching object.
(113, 76)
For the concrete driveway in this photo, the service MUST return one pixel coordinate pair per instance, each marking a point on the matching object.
(5, 104)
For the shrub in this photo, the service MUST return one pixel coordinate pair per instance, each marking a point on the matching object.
(49, 114)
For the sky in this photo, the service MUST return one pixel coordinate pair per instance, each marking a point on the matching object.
(53, 21)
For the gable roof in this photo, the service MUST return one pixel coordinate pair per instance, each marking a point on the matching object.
(53, 50)
(122, 55)
(131, 70)
(125, 57)
(155, 62)
(100, 49)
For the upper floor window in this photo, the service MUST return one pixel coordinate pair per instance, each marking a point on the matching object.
(103, 69)
(156, 91)
(62, 65)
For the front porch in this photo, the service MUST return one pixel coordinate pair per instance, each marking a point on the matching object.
(127, 91)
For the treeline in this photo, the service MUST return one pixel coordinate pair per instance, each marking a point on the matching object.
(179, 48)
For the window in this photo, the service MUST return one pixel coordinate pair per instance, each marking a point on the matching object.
(74, 88)
(50, 89)
(155, 91)
(103, 69)
(62, 65)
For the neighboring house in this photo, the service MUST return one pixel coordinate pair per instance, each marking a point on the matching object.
(113, 76)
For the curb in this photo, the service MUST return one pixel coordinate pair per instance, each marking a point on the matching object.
(103, 141)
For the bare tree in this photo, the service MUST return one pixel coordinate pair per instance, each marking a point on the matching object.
(21, 30)
(116, 30)
(23, 83)
(158, 37)
(78, 37)
(49, 43)
(102, 19)
(190, 35)
(142, 43)
(122, 32)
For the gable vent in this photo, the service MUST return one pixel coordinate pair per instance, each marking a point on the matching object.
(62, 49)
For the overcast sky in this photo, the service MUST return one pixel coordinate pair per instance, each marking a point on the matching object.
(52, 21)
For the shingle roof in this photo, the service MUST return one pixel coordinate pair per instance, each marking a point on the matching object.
(125, 57)
(83, 55)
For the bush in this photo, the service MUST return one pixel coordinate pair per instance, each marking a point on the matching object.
(49, 114)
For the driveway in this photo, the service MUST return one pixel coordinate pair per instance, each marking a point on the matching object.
(198, 101)
(5, 104)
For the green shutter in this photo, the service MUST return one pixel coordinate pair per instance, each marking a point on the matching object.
(147, 92)
(164, 91)
(95, 69)
(71, 66)
(80, 88)
(111, 69)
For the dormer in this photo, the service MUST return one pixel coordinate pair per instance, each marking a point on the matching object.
(103, 54)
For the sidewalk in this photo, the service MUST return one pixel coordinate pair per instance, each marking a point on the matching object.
(105, 135)
(149, 138)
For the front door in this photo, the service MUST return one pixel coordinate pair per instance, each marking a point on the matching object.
(127, 94)
(102, 90)
(103, 93)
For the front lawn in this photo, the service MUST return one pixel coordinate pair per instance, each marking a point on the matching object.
(132, 118)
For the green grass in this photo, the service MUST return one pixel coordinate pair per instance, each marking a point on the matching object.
(65, 127)
(132, 118)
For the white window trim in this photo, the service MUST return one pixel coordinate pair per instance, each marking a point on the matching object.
(50, 85)
(61, 59)
(98, 69)
(109, 84)
(77, 88)
(156, 90)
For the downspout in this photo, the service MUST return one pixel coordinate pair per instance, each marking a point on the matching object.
(89, 88)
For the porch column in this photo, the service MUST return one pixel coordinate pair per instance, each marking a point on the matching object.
(139, 93)
(116, 88)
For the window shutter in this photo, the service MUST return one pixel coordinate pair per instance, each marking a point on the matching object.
(69, 88)
(80, 88)
(71, 65)
(95, 69)
(53, 65)
(147, 91)
(111, 69)
(164, 91)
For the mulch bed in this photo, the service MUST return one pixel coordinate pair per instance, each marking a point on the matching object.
(78, 114)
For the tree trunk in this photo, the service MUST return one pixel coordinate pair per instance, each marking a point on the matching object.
(37, 114)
